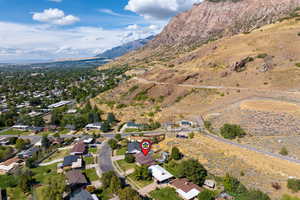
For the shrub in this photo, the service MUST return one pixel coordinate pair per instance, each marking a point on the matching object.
(233, 185)
(206, 195)
(297, 64)
(232, 131)
(175, 154)
(284, 151)
(129, 158)
(262, 55)
(294, 185)
(191, 135)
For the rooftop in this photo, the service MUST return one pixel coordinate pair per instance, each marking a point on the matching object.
(75, 177)
(144, 160)
(160, 173)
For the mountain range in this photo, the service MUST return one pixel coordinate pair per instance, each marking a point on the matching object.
(125, 48)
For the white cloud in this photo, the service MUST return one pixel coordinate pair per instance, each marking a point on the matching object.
(133, 27)
(159, 9)
(43, 42)
(110, 12)
(54, 16)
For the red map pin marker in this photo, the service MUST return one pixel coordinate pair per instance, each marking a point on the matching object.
(145, 146)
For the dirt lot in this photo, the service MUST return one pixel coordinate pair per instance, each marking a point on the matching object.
(219, 158)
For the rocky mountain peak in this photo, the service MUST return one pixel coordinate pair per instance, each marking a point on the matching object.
(212, 19)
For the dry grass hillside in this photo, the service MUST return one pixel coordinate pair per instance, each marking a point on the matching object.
(164, 88)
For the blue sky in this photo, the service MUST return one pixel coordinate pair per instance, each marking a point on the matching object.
(51, 29)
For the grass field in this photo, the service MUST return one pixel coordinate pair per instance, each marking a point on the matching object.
(42, 173)
(14, 132)
(59, 154)
(125, 166)
(89, 160)
(16, 194)
(91, 174)
(121, 151)
(39, 192)
(140, 183)
(167, 193)
(93, 150)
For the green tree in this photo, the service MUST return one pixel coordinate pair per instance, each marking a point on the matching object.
(55, 188)
(111, 119)
(294, 184)
(192, 170)
(105, 127)
(25, 181)
(115, 185)
(175, 154)
(45, 142)
(118, 137)
(113, 144)
(129, 194)
(232, 131)
(106, 179)
(30, 163)
(20, 144)
(142, 173)
(129, 158)
(206, 195)
(13, 140)
(233, 185)
(8, 181)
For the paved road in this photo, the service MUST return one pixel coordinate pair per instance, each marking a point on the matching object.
(217, 87)
(253, 149)
(104, 160)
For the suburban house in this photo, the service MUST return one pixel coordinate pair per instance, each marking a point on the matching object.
(59, 104)
(94, 126)
(36, 130)
(29, 152)
(4, 141)
(130, 125)
(82, 194)
(160, 174)
(141, 159)
(79, 149)
(133, 148)
(185, 189)
(10, 165)
(72, 162)
(76, 179)
(88, 140)
(21, 127)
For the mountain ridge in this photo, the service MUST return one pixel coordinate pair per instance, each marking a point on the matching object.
(125, 48)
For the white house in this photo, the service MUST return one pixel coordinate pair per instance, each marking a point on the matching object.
(160, 174)
(94, 126)
(21, 127)
(59, 104)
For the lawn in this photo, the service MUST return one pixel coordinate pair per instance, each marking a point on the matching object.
(121, 151)
(59, 154)
(93, 150)
(39, 192)
(125, 166)
(16, 194)
(89, 160)
(14, 132)
(42, 173)
(140, 183)
(166, 193)
(91, 174)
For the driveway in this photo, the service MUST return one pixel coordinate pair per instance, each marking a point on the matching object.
(105, 162)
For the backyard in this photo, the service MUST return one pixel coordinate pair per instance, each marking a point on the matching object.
(166, 193)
